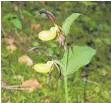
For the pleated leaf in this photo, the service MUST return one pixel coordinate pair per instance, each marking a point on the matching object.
(68, 22)
(78, 56)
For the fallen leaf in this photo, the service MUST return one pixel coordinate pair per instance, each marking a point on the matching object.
(8, 101)
(43, 3)
(32, 84)
(25, 59)
(35, 26)
(3, 83)
(11, 48)
(47, 100)
(9, 41)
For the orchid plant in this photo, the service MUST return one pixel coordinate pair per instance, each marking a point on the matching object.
(74, 57)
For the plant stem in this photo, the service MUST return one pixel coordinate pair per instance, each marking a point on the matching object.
(65, 76)
(66, 88)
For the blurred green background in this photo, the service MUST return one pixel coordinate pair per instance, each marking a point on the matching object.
(22, 22)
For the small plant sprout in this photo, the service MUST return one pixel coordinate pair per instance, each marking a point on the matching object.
(74, 57)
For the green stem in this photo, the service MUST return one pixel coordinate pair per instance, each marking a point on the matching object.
(66, 88)
(65, 76)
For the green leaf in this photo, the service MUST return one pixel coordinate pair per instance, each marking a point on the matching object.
(78, 56)
(7, 16)
(68, 22)
(86, 3)
(25, 12)
(17, 23)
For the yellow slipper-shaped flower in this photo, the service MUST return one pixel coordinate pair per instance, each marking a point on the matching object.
(42, 68)
(48, 34)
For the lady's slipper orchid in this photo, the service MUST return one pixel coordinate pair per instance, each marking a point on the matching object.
(48, 34)
(43, 68)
